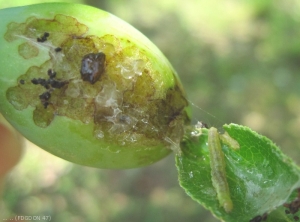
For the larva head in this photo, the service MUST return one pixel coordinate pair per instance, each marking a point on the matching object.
(87, 87)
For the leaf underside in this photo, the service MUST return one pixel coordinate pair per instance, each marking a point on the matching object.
(260, 177)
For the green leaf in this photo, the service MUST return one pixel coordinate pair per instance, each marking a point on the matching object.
(260, 177)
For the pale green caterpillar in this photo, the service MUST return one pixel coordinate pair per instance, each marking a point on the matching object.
(217, 163)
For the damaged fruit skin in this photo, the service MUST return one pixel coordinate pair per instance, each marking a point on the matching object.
(73, 138)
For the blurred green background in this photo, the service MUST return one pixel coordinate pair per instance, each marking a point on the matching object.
(239, 61)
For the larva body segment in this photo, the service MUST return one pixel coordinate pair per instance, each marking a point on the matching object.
(218, 173)
(226, 139)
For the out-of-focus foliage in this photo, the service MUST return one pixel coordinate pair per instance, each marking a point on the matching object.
(238, 61)
(14, 3)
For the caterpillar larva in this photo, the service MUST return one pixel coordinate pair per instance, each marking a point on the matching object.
(218, 173)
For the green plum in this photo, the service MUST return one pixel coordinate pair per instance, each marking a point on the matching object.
(87, 87)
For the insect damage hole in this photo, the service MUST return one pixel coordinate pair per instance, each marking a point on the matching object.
(92, 67)
(218, 173)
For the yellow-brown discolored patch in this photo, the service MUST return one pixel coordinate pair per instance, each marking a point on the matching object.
(27, 50)
(121, 101)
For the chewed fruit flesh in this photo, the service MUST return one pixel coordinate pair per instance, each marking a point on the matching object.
(103, 81)
(92, 67)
